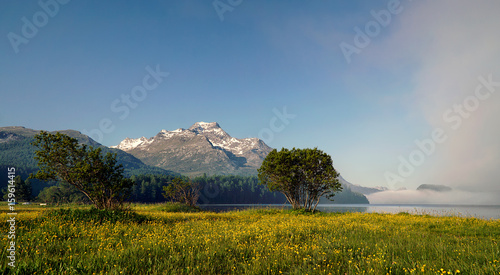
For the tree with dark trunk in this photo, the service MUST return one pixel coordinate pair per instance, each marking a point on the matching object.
(183, 191)
(98, 176)
(302, 175)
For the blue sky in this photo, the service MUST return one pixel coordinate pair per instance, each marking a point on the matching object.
(366, 110)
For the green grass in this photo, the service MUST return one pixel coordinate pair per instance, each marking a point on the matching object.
(257, 241)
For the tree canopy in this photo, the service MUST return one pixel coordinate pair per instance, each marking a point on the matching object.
(302, 175)
(98, 176)
(183, 191)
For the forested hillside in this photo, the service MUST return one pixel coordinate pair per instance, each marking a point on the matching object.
(16, 151)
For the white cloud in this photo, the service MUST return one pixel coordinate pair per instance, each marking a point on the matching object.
(451, 44)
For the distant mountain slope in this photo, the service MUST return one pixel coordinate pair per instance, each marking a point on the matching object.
(16, 150)
(203, 148)
(360, 189)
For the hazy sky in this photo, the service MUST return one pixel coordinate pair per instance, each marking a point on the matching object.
(361, 80)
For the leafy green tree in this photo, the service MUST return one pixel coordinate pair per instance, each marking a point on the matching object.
(302, 175)
(62, 193)
(183, 191)
(98, 176)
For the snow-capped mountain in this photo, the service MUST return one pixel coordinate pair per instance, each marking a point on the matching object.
(211, 130)
(203, 148)
(219, 138)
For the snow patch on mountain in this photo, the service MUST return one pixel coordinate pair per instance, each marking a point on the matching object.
(131, 143)
(211, 130)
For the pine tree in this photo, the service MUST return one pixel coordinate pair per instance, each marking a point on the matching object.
(24, 191)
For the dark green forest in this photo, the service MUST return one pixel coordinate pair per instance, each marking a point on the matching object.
(227, 189)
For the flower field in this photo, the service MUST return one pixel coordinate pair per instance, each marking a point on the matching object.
(257, 241)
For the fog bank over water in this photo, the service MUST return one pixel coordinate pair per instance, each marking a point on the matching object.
(454, 46)
(454, 197)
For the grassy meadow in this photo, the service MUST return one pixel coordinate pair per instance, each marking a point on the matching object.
(158, 239)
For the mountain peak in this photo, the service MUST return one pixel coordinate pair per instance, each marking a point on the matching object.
(203, 148)
(210, 129)
(204, 126)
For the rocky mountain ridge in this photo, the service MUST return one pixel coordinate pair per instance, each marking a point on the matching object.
(202, 148)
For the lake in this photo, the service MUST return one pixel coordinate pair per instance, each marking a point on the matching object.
(478, 211)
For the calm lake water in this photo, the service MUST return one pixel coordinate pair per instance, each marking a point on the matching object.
(478, 211)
